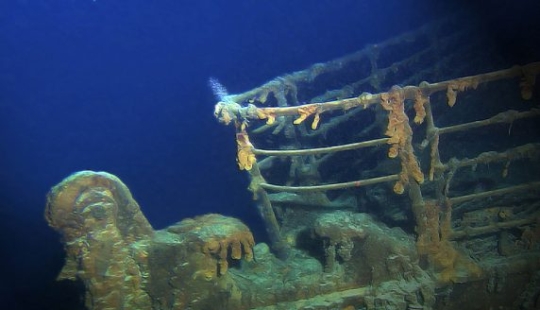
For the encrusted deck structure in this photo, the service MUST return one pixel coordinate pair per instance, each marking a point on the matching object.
(379, 190)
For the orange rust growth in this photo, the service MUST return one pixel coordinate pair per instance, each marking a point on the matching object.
(267, 114)
(399, 187)
(316, 120)
(400, 134)
(225, 235)
(225, 112)
(106, 238)
(244, 156)
(459, 85)
(433, 155)
(394, 104)
(433, 229)
(304, 113)
(226, 117)
(216, 238)
(420, 100)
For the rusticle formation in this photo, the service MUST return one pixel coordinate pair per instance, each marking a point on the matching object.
(377, 189)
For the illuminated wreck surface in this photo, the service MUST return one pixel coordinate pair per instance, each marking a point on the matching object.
(379, 190)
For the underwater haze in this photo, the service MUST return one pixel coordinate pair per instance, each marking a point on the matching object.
(122, 87)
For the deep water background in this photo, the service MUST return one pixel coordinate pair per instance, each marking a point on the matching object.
(121, 86)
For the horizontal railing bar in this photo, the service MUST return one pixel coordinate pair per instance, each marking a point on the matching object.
(367, 99)
(488, 229)
(497, 192)
(504, 117)
(511, 154)
(326, 187)
(313, 151)
(338, 63)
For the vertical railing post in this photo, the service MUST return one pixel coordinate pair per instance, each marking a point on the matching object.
(247, 161)
(267, 212)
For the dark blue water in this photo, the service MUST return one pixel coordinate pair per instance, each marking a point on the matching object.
(121, 86)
